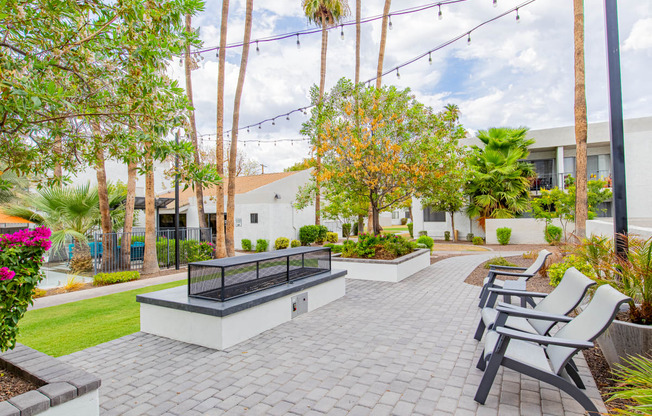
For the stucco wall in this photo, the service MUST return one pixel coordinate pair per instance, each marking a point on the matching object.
(605, 227)
(436, 229)
(524, 230)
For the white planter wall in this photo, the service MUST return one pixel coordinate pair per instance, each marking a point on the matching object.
(524, 230)
(383, 270)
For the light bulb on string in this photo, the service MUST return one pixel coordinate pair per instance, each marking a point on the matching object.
(181, 63)
(298, 42)
(248, 130)
(259, 126)
(342, 32)
(287, 117)
(440, 15)
(398, 74)
(495, 3)
(257, 49)
(273, 122)
(390, 22)
(429, 58)
(258, 143)
(468, 40)
(518, 17)
(217, 53)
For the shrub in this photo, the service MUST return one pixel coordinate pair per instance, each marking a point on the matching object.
(335, 248)
(503, 235)
(403, 221)
(332, 237)
(189, 251)
(469, 237)
(421, 245)
(346, 230)
(39, 293)
(423, 232)
(428, 241)
(72, 284)
(308, 234)
(498, 261)
(530, 254)
(322, 233)
(21, 258)
(556, 270)
(411, 229)
(447, 235)
(295, 243)
(478, 241)
(246, 244)
(102, 279)
(383, 246)
(354, 229)
(553, 234)
(634, 384)
(261, 245)
(281, 243)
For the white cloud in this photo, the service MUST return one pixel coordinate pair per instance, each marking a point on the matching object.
(640, 37)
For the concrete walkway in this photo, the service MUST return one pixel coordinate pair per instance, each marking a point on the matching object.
(95, 292)
(385, 348)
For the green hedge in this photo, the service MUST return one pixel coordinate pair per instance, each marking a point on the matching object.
(189, 251)
(102, 279)
(428, 241)
(261, 245)
(246, 244)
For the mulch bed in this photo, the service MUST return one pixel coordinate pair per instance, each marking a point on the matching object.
(12, 385)
(594, 358)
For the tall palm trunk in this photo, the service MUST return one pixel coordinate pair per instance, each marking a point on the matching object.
(150, 262)
(108, 255)
(125, 243)
(322, 85)
(220, 243)
(199, 190)
(581, 203)
(379, 80)
(233, 155)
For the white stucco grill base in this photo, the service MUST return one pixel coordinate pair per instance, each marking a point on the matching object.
(172, 314)
(383, 270)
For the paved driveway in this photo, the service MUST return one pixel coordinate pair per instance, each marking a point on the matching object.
(385, 348)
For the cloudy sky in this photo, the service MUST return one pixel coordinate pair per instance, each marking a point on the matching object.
(511, 74)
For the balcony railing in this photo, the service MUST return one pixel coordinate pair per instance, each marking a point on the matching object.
(560, 180)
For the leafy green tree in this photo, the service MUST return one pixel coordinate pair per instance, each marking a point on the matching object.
(499, 183)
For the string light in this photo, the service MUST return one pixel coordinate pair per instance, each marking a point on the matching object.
(257, 49)
(342, 32)
(495, 3)
(273, 122)
(287, 117)
(390, 22)
(398, 74)
(518, 17)
(429, 58)
(440, 14)
(259, 126)
(298, 42)
(468, 40)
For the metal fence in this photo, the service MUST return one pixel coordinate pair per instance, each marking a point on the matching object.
(126, 251)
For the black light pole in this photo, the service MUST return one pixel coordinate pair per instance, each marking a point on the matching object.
(176, 205)
(616, 128)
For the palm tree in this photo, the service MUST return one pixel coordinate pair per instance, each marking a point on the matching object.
(69, 212)
(581, 201)
(220, 240)
(358, 11)
(150, 260)
(189, 66)
(323, 13)
(233, 152)
(10, 185)
(499, 185)
(383, 41)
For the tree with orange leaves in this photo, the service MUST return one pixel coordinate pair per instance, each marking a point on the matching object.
(383, 145)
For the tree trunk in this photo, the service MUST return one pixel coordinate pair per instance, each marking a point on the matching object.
(58, 171)
(358, 8)
(108, 255)
(230, 206)
(581, 203)
(150, 261)
(383, 41)
(199, 190)
(125, 243)
(376, 222)
(453, 227)
(360, 224)
(220, 243)
(322, 85)
(370, 219)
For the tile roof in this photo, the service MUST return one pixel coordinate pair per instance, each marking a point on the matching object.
(243, 184)
(9, 219)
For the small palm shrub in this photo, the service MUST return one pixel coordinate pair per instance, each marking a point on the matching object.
(411, 229)
(469, 237)
(634, 384)
(428, 241)
(498, 261)
(332, 237)
(261, 245)
(246, 244)
(553, 234)
(478, 241)
(503, 235)
(295, 243)
(281, 243)
(447, 235)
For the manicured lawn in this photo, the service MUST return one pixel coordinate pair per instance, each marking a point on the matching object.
(396, 228)
(64, 329)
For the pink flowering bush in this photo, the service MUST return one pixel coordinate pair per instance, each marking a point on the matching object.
(21, 257)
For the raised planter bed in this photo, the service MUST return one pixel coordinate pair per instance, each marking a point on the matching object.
(231, 300)
(383, 270)
(65, 390)
(625, 338)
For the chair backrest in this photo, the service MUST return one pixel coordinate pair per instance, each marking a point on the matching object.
(538, 263)
(566, 296)
(588, 325)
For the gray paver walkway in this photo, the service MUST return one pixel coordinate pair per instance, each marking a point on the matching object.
(403, 349)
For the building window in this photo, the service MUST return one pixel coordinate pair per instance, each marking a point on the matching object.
(433, 216)
(395, 215)
(167, 221)
(254, 218)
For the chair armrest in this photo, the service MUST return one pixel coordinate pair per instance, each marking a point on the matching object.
(515, 274)
(544, 340)
(518, 311)
(494, 266)
(513, 292)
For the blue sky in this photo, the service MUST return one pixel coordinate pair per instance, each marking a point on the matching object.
(512, 74)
